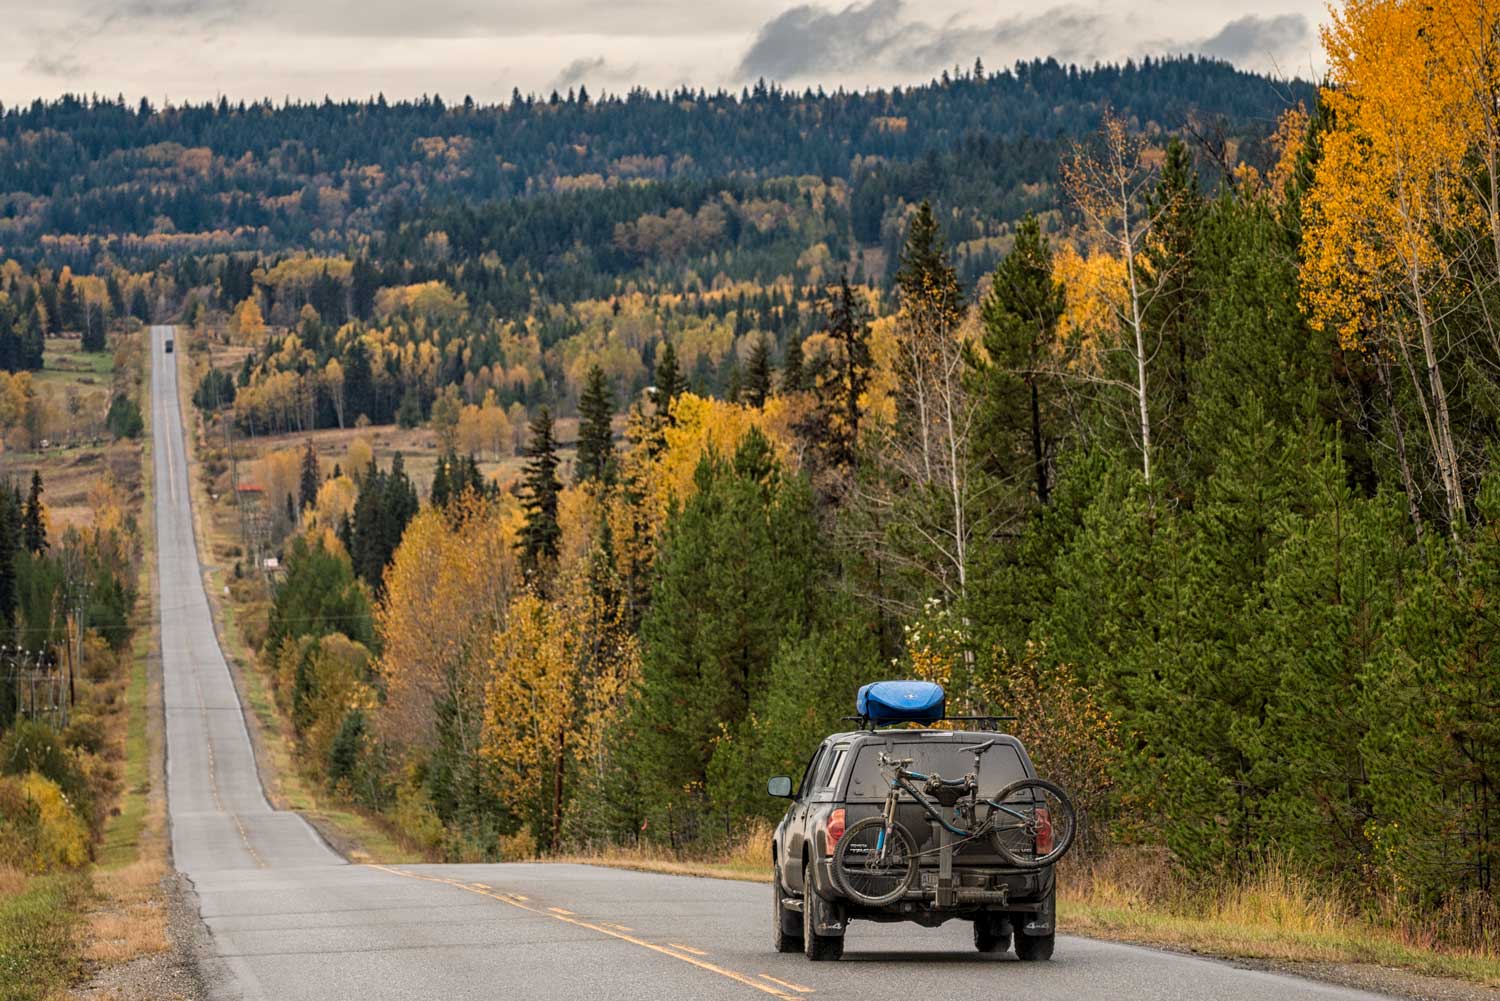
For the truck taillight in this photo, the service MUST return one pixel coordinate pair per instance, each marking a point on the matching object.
(1043, 831)
(833, 829)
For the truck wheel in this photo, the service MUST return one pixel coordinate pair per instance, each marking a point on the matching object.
(817, 948)
(786, 926)
(1034, 948)
(991, 934)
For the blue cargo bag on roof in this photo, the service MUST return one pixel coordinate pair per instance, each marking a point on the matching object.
(901, 702)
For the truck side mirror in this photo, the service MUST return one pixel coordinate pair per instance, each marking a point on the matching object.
(780, 787)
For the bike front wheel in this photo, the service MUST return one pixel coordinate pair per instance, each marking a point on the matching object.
(875, 865)
(1031, 823)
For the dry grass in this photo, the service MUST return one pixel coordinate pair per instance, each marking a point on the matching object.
(747, 858)
(1272, 911)
(133, 921)
(12, 881)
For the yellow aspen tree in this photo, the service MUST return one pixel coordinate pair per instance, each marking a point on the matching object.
(1391, 180)
(447, 591)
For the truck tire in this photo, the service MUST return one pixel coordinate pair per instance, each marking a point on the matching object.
(991, 934)
(818, 948)
(1034, 948)
(786, 926)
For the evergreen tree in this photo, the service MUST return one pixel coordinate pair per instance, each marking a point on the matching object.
(319, 596)
(34, 518)
(596, 439)
(311, 478)
(793, 378)
(758, 374)
(387, 501)
(539, 492)
(842, 385)
(736, 576)
(669, 382)
(1020, 316)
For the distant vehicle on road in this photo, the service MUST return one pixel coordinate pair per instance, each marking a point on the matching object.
(168, 345)
(923, 825)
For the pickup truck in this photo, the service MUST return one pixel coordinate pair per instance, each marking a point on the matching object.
(843, 784)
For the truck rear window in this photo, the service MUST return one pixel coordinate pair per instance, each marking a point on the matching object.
(998, 767)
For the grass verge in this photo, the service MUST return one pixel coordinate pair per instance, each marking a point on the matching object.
(38, 919)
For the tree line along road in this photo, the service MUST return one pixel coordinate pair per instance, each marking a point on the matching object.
(287, 918)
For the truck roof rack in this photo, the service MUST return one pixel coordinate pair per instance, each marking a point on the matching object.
(984, 722)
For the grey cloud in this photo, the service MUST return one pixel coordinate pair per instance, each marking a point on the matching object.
(61, 54)
(810, 40)
(593, 70)
(1253, 38)
(576, 71)
(54, 62)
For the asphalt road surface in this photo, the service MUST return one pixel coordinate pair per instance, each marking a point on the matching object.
(289, 919)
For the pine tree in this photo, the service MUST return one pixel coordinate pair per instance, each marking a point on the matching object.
(1020, 316)
(596, 441)
(758, 375)
(669, 383)
(307, 487)
(737, 575)
(793, 379)
(842, 384)
(539, 492)
(34, 518)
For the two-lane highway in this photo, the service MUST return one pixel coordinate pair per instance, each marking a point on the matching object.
(290, 920)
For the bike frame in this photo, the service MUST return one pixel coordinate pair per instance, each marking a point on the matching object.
(903, 783)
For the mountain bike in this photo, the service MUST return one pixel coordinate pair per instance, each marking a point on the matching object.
(1029, 824)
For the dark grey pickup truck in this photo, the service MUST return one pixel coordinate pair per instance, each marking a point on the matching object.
(845, 783)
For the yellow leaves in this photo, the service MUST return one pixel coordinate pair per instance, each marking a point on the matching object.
(336, 497)
(559, 673)
(432, 300)
(446, 593)
(485, 430)
(59, 839)
(248, 323)
(1393, 170)
(701, 424)
(1289, 141)
(1097, 295)
(359, 455)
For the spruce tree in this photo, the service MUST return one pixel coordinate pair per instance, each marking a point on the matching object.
(307, 487)
(34, 518)
(1020, 316)
(539, 491)
(792, 375)
(757, 387)
(842, 385)
(669, 382)
(596, 441)
(736, 576)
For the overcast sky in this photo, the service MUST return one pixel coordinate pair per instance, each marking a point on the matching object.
(181, 50)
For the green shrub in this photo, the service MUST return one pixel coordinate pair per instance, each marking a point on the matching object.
(39, 830)
(35, 747)
(124, 417)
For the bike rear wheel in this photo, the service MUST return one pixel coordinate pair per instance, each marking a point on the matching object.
(1031, 823)
(875, 866)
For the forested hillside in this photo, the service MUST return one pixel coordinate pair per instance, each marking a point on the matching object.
(1155, 405)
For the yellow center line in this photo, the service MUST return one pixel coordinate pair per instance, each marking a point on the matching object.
(791, 987)
(559, 910)
(702, 964)
(620, 927)
(687, 948)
